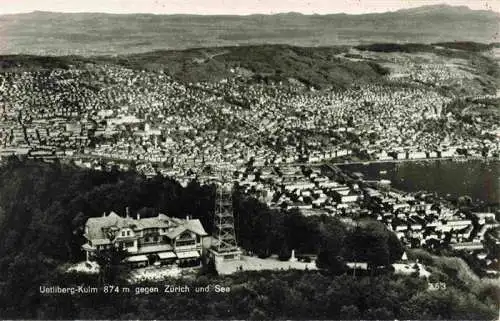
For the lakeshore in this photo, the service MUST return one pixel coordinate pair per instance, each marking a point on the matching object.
(478, 179)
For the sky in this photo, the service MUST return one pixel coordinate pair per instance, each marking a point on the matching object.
(232, 6)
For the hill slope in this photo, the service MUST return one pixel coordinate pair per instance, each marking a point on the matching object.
(318, 67)
(49, 33)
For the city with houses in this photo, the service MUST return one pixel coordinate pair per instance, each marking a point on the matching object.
(264, 166)
(282, 141)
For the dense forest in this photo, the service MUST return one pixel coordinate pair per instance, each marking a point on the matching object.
(43, 208)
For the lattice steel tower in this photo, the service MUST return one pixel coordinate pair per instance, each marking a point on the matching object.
(224, 244)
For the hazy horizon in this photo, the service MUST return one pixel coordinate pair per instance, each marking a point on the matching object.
(93, 34)
(234, 7)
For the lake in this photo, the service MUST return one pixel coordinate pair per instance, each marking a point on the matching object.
(478, 179)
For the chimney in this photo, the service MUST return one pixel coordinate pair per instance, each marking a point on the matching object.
(127, 212)
(104, 214)
(138, 216)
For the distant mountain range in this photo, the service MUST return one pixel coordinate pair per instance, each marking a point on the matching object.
(49, 33)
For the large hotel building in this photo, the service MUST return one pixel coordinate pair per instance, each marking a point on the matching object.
(159, 240)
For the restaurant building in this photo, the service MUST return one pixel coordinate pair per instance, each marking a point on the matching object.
(159, 240)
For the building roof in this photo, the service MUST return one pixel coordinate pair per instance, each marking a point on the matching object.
(136, 258)
(188, 254)
(194, 225)
(167, 255)
(155, 248)
(97, 225)
(100, 229)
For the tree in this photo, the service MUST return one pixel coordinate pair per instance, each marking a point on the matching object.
(332, 244)
(111, 263)
(349, 312)
(396, 248)
(335, 264)
(378, 314)
(258, 314)
(285, 252)
(373, 243)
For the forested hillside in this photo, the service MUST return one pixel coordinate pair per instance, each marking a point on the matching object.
(44, 206)
(314, 67)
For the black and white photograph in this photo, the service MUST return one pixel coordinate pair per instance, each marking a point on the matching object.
(249, 160)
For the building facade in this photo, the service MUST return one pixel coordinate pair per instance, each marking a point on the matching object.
(159, 240)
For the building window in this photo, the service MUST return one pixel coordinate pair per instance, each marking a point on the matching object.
(123, 233)
(185, 243)
(128, 233)
(129, 244)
